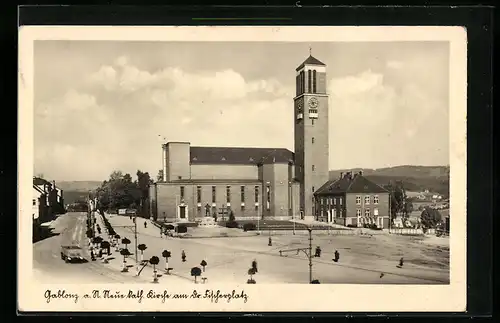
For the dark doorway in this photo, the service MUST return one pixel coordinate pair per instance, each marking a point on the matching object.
(182, 212)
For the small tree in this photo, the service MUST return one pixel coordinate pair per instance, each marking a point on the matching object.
(97, 242)
(430, 218)
(125, 253)
(154, 261)
(142, 247)
(251, 272)
(195, 271)
(254, 266)
(203, 264)
(166, 254)
(106, 245)
(126, 242)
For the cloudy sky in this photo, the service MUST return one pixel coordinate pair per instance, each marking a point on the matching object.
(101, 106)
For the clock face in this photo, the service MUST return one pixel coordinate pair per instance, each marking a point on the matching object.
(313, 103)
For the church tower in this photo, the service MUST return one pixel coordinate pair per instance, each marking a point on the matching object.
(311, 132)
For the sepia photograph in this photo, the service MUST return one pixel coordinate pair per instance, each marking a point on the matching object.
(200, 162)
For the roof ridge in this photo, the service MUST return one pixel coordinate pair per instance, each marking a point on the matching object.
(380, 186)
(228, 147)
(352, 182)
(38, 188)
(328, 184)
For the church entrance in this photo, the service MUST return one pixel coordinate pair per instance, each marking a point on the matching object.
(182, 211)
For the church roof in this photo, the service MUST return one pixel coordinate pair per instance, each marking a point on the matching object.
(349, 183)
(240, 155)
(310, 61)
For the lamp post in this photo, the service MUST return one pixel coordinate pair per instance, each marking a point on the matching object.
(310, 254)
(135, 235)
(134, 227)
(307, 251)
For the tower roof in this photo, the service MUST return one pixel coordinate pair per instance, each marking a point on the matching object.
(311, 60)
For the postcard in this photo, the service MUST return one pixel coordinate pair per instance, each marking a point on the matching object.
(218, 168)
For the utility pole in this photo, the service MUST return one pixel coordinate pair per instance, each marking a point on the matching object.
(310, 255)
(306, 251)
(134, 227)
(135, 235)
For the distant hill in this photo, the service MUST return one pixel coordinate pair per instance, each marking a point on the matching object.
(414, 178)
(71, 197)
(78, 186)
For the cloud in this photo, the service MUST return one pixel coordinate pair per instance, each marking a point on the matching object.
(371, 122)
(113, 120)
(394, 64)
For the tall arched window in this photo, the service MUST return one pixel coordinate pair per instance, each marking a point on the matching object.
(303, 82)
(297, 84)
(314, 81)
(309, 81)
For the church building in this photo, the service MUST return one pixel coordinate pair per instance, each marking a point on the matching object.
(253, 183)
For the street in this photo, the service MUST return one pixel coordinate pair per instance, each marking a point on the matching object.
(363, 260)
(47, 263)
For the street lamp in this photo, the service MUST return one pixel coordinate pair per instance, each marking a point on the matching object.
(306, 251)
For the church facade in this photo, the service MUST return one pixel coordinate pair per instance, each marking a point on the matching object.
(253, 183)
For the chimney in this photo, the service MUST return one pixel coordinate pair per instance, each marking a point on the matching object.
(341, 175)
(360, 173)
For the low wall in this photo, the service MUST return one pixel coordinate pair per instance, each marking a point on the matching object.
(406, 231)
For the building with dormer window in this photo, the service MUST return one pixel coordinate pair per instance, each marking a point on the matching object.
(353, 200)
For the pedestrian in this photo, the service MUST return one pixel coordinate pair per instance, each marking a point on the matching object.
(317, 252)
(401, 262)
(336, 256)
(254, 266)
(100, 253)
(92, 256)
(270, 242)
(183, 256)
(145, 224)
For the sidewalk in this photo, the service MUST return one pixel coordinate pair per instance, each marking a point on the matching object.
(115, 260)
(319, 223)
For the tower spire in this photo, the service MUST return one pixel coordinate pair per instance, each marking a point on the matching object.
(310, 50)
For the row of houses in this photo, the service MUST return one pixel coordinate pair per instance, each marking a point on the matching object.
(48, 201)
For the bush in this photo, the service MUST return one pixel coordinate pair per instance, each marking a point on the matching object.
(352, 226)
(249, 227)
(231, 224)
